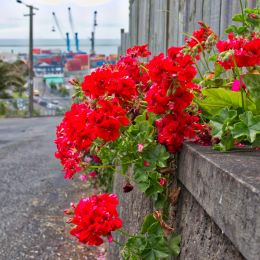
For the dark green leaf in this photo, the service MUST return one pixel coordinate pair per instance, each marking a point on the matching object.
(237, 18)
(148, 221)
(252, 82)
(174, 244)
(221, 121)
(249, 126)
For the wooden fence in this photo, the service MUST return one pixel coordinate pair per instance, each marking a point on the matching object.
(161, 23)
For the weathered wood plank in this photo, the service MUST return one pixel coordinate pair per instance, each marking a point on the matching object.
(191, 18)
(128, 45)
(206, 11)
(134, 14)
(123, 44)
(215, 7)
(143, 21)
(226, 16)
(173, 26)
(158, 26)
(253, 3)
(236, 7)
(182, 5)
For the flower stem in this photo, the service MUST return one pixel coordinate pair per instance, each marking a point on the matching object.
(125, 233)
(197, 67)
(100, 166)
(241, 91)
(118, 243)
(242, 10)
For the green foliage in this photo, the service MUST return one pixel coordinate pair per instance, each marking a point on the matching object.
(151, 242)
(222, 125)
(53, 86)
(252, 82)
(64, 92)
(247, 127)
(2, 108)
(250, 19)
(216, 99)
(12, 78)
(228, 126)
(123, 152)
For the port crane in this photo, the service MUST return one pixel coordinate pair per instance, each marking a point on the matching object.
(67, 33)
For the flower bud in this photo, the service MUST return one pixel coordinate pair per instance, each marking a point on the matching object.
(68, 211)
(140, 147)
(128, 187)
(162, 181)
(146, 163)
(69, 220)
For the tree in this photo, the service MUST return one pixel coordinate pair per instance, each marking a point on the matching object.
(12, 77)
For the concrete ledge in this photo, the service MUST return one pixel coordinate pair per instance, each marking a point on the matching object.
(201, 238)
(227, 186)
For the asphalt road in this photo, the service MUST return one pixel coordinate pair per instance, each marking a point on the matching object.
(33, 194)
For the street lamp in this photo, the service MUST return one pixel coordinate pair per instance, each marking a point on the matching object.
(30, 61)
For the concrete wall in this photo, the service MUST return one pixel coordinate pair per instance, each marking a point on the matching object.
(218, 209)
(161, 23)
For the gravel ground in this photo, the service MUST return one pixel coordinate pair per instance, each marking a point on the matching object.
(33, 195)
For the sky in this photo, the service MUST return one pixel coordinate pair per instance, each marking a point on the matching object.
(112, 16)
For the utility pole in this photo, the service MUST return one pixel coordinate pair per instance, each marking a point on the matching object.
(30, 60)
(92, 39)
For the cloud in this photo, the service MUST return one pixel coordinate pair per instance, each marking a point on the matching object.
(76, 2)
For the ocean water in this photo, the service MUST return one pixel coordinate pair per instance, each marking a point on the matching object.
(103, 46)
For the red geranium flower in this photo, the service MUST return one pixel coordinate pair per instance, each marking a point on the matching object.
(95, 217)
(139, 51)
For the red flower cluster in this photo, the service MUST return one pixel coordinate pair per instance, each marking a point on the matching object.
(82, 125)
(114, 94)
(200, 38)
(174, 129)
(173, 77)
(139, 51)
(67, 153)
(108, 82)
(95, 217)
(239, 51)
(170, 95)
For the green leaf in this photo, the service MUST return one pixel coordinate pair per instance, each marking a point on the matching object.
(155, 229)
(252, 82)
(157, 248)
(213, 58)
(256, 143)
(218, 70)
(143, 186)
(174, 244)
(136, 243)
(241, 29)
(248, 128)
(237, 18)
(222, 120)
(148, 221)
(160, 201)
(217, 98)
(140, 176)
(227, 142)
(231, 28)
(222, 125)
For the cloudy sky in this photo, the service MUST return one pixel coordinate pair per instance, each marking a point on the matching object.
(112, 15)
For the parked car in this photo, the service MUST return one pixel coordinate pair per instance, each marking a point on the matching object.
(42, 102)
